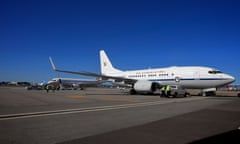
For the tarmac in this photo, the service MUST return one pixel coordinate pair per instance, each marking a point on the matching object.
(103, 115)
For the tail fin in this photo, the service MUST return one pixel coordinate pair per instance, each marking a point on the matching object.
(106, 65)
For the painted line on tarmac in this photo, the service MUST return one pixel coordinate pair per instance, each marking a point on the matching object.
(122, 99)
(91, 109)
(76, 97)
(106, 98)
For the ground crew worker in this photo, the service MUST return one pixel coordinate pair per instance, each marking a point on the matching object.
(47, 88)
(163, 94)
(168, 90)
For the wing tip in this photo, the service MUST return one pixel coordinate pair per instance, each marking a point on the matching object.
(53, 65)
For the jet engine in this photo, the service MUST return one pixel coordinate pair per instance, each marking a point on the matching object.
(143, 86)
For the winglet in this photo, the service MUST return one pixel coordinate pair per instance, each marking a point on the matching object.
(53, 65)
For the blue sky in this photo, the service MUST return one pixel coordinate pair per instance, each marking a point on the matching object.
(135, 35)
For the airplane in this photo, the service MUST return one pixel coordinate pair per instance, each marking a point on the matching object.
(36, 86)
(66, 83)
(150, 80)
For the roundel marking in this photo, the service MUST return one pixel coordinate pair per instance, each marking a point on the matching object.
(177, 79)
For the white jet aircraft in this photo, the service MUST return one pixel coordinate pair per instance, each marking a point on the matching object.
(66, 83)
(149, 80)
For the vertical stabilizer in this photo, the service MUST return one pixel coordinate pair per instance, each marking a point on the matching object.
(106, 65)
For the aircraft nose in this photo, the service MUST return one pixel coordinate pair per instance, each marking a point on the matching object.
(231, 78)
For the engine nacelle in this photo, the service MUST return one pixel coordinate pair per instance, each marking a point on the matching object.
(146, 86)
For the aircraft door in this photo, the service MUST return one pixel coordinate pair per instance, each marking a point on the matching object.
(196, 75)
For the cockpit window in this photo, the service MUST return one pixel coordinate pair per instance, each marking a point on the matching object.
(214, 72)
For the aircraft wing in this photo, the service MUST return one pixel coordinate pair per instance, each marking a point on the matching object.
(130, 81)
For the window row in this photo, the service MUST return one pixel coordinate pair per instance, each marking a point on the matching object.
(150, 75)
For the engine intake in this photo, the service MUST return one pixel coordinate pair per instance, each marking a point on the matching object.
(146, 86)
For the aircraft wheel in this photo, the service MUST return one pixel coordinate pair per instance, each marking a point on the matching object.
(175, 94)
(132, 92)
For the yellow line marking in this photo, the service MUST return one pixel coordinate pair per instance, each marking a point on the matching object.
(76, 97)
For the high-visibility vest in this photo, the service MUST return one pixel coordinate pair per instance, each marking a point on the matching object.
(163, 88)
(168, 88)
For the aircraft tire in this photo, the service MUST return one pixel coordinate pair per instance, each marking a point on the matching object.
(132, 92)
(175, 94)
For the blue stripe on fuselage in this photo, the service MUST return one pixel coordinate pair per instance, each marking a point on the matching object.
(187, 79)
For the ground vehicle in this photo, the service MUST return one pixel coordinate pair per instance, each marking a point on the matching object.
(178, 91)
